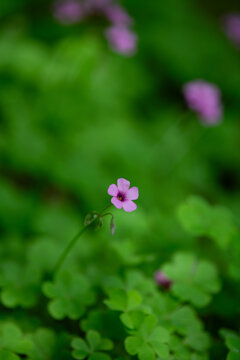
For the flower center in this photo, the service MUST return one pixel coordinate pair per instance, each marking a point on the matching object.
(120, 196)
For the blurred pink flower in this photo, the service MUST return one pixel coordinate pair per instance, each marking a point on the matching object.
(205, 99)
(122, 195)
(122, 40)
(117, 15)
(162, 280)
(68, 11)
(231, 25)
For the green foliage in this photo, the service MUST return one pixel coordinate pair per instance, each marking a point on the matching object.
(70, 293)
(93, 349)
(43, 344)
(155, 325)
(194, 280)
(234, 265)
(148, 341)
(123, 301)
(19, 285)
(201, 219)
(233, 344)
(186, 323)
(74, 117)
(12, 342)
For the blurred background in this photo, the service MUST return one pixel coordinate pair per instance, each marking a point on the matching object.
(91, 91)
(81, 106)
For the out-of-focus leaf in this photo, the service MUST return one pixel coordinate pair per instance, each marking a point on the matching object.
(70, 294)
(193, 280)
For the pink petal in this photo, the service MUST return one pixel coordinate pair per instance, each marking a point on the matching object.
(117, 203)
(129, 206)
(123, 185)
(113, 190)
(132, 193)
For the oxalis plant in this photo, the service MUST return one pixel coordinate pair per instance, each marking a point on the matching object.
(129, 307)
(122, 197)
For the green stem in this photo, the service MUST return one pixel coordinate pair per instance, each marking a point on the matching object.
(73, 242)
(68, 249)
(106, 208)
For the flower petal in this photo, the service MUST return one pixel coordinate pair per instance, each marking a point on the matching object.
(129, 206)
(116, 202)
(132, 193)
(113, 190)
(123, 185)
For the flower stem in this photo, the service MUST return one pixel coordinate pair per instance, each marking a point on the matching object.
(106, 208)
(68, 249)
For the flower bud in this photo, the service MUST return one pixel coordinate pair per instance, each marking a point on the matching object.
(162, 280)
(112, 225)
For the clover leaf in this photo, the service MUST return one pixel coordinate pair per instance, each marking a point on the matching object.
(19, 285)
(193, 280)
(138, 281)
(149, 341)
(126, 301)
(233, 344)
(179, 349)
(199, 218)
(70, 293)
(47, 345)
(122, 300)
(186, 322)
(43, 343)
(132, 319)
(13, 342)
(93, 348)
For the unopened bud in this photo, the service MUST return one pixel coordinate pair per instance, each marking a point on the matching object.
(112, 225)
(162, 280)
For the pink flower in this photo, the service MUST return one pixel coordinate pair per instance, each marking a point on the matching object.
(162, 280)
(122, 40)
(123, 195)
(68, 11)
(231, 25)
(205, 99)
